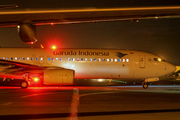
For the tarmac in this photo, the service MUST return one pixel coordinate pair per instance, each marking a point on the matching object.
(158, 102)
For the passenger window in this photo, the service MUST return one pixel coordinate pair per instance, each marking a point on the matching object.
(73, 59)
(103, 59)
(69, 59)
(49, 59)
(111, 60)
(3, 58)
(52, 59)
(119, 60)
(90, 59)
(19, 58)
(56, 59)
(127, 60)
(27, 58)
(60, 59)
(15, 58)
(7, 58)
(81, 59)
(99, 59)
(95, 59)
(85, 59)
(36, 59)
(107, 60)
(23, 58)
(115, 60)
(41, 59)
(32, 58)
(11, 58)
(77, 59)
(123, 60)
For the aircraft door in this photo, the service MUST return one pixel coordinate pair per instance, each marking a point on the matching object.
(142, 61)
(48, 60)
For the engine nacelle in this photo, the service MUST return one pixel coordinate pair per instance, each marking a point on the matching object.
(27, 33)
(152, 79)
(58, 77)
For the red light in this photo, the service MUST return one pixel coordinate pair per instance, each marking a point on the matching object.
(52, 23)
(53, 47)
(32, 42)
(36, 79)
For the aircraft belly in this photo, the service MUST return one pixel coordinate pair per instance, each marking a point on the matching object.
(106, 71)
(90, 71)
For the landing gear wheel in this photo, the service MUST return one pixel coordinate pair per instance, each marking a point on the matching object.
(24, 84)
(145, 85)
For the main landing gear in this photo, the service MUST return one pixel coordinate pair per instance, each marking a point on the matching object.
(24, 84)
(145, 85)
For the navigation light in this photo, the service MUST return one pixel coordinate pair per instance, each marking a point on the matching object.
(53, 47)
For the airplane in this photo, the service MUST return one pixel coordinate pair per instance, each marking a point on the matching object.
(26, 20)
(59, 66)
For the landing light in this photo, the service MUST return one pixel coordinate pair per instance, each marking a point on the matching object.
(36, 79)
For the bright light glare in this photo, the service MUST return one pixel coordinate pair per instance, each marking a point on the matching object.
(100, 80)
(53, 47)
(36, 79)
(159, 59)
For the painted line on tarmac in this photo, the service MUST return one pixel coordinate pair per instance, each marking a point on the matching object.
(6, 104)
(35, 95)
(154, 91)
(95, 93)
(74, 105)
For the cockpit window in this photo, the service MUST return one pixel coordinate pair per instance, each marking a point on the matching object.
(159, 60)
(155, 59)
(163, 60)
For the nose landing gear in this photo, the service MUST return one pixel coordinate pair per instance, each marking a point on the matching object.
(145, 85)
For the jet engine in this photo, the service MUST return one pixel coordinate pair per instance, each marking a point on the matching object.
(27, 33)
(48, 77)
(152, 79)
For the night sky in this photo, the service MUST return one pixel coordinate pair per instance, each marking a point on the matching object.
(160, 37)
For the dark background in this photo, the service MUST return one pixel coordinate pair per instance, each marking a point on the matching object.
(160, 36)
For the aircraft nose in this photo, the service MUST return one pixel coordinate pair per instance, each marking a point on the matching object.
(172, 68)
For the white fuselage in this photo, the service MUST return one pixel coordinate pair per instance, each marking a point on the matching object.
(93, 63)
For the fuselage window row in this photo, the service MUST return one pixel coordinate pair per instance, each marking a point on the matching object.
(69, 59)
(99, 59)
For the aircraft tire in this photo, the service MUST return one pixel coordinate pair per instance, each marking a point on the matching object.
(145, 85)
(24, 84)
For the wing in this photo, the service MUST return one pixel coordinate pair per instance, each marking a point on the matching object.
(17, 68)
(41, 17)
(27, 19)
